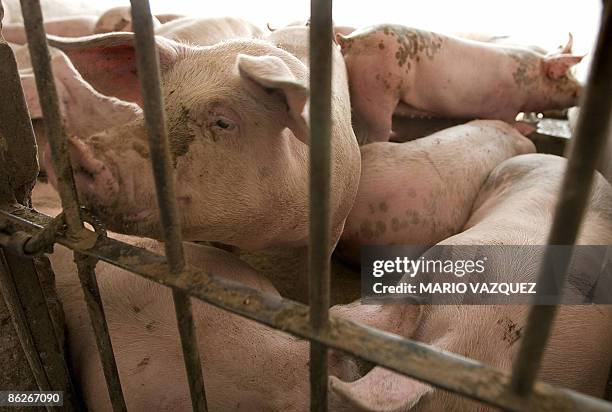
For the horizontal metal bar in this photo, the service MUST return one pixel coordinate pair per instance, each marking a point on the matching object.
(588, 145)
(319, 232)
(163, 172)
(420, 361)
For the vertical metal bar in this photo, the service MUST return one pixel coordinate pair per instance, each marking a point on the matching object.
(320, 136)
(155, 119)
(28, 304)
(590, 138)
(89, 285)
(20, 322)
(41, 63)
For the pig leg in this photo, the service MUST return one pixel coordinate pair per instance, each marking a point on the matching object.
(422, 191)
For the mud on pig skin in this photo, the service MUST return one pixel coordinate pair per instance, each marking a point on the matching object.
(237, 131)
(420, 192)
(414, 72)
(514, 207)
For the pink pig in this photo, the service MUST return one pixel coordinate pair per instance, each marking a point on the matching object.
(238, 136)
(514, 207)
(402, 70)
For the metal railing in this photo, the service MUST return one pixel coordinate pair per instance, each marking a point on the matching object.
(515, 392)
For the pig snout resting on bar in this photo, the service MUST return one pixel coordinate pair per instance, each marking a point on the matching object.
(238, 138)
(422, 191)
(419, 73)
(514, 207)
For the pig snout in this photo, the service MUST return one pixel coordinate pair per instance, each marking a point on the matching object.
(93, 177)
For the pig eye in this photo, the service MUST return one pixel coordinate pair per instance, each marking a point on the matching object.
(224, 124)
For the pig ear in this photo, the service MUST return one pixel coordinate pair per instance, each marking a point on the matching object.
(341, 40)
(379, 390)
(567, 49)
(108, 61)
(272, 74)
(557, 66)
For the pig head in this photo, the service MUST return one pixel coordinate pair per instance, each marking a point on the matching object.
(238, 137)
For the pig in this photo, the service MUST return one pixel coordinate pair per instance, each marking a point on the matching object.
(237, 130)
(447, 170)
(514, 207)
(412, 72)
(246, 366)
(168, 17)
(118, 19)
(193, 30)
(75, 26)
(338, 29)
(208, 31)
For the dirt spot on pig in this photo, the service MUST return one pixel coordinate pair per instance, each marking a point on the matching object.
(511, 331)
(142, 364)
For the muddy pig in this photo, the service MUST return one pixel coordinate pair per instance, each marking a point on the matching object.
(419, 73)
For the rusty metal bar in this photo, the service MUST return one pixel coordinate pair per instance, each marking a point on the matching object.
(20, 322)
(155, 120)
(32, 319)
(87, 276)
(418, 360)
(321, 32)
(589, 141)
(45, 84)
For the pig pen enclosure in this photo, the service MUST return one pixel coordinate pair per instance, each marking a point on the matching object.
(25, 235)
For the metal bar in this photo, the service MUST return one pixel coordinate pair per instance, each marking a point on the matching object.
(45, 84)
(417, 360)
(155, 120)
(41, 64)
(589, 141)
(20, 322)
(37, 335)
(87, 276)
(16, 135)
(319, 246)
